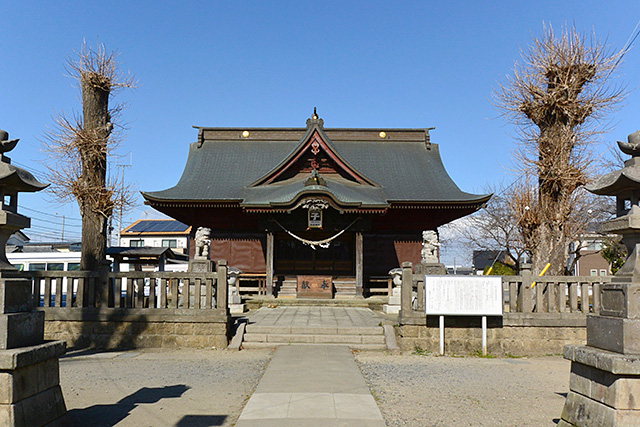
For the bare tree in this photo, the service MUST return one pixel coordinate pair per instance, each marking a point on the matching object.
(558, 97)
(80, 148)
(495, 228)
(507, 224)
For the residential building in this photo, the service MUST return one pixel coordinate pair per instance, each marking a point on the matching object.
(167, 233)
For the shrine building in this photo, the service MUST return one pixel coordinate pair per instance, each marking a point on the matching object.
(334, 207)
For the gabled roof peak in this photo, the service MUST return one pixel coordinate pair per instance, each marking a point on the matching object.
(315, 120)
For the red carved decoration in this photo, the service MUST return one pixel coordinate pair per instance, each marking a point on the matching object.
(315, 147)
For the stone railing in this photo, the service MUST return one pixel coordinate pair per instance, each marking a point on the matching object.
(550, 294)
(536, 320)
(129, 290)
(134, 309)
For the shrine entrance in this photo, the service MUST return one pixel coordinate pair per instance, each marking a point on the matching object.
(295, 258)
(316, 271)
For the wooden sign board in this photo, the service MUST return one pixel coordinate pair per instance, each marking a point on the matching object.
(463, 295)
(315, 218)
(315, 287)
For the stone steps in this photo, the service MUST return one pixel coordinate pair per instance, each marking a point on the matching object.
(361, 347)
(359, 338)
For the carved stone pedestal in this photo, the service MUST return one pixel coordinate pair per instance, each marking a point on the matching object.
(431, 269)
(200, 265)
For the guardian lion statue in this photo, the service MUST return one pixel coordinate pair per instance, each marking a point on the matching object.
(203, 240)
(430, 245)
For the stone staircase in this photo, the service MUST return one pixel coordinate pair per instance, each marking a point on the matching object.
(357, 338)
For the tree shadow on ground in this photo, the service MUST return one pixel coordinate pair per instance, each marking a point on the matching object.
(109, 415)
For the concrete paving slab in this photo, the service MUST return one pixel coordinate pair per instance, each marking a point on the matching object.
(319, 385)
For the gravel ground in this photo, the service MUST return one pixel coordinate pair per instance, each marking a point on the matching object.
(160, 388)
(415, 390)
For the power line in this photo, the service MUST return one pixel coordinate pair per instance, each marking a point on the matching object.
(48, 214)
(56, 223)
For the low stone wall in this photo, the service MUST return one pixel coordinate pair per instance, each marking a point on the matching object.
(110, 328)
(517, 334)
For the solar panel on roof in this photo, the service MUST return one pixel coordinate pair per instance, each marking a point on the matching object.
(155, 226)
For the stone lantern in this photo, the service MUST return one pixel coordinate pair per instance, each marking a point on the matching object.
(29, 370)
(605, 374)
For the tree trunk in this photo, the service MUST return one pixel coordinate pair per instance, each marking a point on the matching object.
(551, 248)
(93, 207)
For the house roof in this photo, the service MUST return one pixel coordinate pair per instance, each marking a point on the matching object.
(155, 227)
(375, 168)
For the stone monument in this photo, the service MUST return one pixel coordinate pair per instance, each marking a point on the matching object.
(30, 393)
(605, 374)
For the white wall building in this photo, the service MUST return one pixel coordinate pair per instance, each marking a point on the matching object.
(167, 233)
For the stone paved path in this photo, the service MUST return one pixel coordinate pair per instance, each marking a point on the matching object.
(306, 316)
(312, 386)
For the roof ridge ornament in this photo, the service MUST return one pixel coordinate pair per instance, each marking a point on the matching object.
(315, 119)
(315, 179)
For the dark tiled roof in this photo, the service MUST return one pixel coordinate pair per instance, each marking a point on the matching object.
(404, 166)
(145, 251)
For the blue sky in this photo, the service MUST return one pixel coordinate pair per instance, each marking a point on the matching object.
(268, 63)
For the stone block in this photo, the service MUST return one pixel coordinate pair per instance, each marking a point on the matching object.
(184, 329)
(237, 308)
(15, 295)
(169, 341)
(21, 329)
(580, 410)
(148, 341)
(373, 339)
(21, 383)
(616, 391)
(277, 338)
(210, 329)
(21, 357)
(38, 410)
(394, 300)
(620, 300)
(255, 337)
(617, 334)
(579, 380)
(390, 309)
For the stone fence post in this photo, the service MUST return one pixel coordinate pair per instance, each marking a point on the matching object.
(407, 315)
(222, 289)
(524, 301)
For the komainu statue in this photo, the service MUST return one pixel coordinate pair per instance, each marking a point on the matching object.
(203, 240)
(430, 245)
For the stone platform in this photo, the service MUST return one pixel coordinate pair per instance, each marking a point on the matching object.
(356, 327)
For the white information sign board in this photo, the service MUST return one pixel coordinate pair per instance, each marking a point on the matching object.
(463, 295)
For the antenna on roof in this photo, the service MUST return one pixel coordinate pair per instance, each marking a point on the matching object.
(315, 114)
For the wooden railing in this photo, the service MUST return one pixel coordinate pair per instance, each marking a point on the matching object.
(551, 294)
(130, 290)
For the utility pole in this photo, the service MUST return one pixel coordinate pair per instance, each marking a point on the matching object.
(122, 196)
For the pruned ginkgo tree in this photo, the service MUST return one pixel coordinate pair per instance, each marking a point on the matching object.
(558, 97)
(80, 148)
